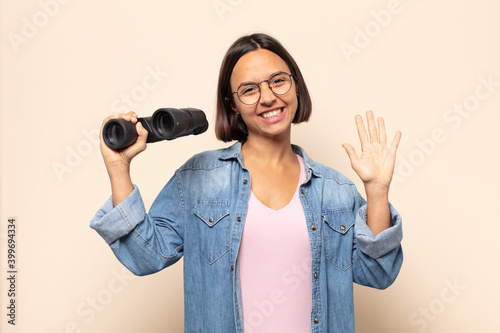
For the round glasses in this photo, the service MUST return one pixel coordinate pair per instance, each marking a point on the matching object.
(249, 92)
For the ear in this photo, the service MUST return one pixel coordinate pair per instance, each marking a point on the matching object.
(231, 104)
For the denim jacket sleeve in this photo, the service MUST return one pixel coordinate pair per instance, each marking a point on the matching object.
(144, 243)
(376, 259)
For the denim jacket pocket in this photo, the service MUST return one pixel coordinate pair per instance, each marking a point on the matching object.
(338, 227)
(213, 229)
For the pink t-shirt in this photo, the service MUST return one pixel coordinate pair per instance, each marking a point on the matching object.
(275, 267)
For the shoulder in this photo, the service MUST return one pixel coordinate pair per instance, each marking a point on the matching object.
(334, 190)
(330, 174)
(207, 160)
(320, 170)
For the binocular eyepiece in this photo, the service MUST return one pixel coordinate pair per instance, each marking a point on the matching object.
(164, 124)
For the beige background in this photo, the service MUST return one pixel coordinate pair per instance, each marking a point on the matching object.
(66, 65)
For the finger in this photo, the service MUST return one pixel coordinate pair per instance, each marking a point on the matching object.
(360, 126)
(395, 142)
(372, 128)
(127, 116)
(108, 118)
(382, 136)
(141, 131)
(130, 116)
(351, 152)
(138, 146)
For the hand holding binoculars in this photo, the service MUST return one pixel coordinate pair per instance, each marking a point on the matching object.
(164, 124)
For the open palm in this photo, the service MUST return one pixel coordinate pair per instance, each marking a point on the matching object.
(375, 165)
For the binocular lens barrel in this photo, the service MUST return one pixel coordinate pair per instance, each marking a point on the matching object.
(119, 133)
(164, 124)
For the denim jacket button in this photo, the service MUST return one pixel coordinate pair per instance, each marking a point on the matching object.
(315, 275)
(316, 320)
(313, 227)
(342, 227)
(232, 267)
(245, 181)
(238, 219)
(211, 219)
(303, 191)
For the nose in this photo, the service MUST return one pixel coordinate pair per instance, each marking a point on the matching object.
(267, 96)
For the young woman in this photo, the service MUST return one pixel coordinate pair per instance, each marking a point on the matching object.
(272, 241)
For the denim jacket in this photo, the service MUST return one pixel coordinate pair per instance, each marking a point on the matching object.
(200, 213)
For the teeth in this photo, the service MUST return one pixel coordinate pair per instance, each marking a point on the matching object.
(272, 113)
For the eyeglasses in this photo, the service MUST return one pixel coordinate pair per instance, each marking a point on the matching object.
(279, 83)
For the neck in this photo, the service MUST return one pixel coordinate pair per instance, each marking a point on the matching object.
(268, 150)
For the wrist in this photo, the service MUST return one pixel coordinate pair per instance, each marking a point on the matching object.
(117, 166)
(377, 192)
(118, 171)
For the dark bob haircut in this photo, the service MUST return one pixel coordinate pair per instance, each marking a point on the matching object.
(228, 125)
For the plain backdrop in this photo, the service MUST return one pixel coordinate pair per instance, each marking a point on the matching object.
(430, 68)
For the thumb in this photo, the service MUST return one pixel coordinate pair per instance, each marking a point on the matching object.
(351, 152)
(142, 132)
(140, 144)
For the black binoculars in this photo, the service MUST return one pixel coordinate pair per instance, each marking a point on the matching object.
(164, 124)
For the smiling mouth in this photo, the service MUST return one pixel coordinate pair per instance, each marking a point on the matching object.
(272, 114)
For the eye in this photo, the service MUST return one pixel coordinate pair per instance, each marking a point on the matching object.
(279, 80)
(248, 90)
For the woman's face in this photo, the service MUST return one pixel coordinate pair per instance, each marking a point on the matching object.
(272, 115)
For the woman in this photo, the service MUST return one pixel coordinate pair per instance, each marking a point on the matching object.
(272, 241)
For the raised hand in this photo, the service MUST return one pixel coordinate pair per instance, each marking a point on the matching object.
(124, 157)
(118, 162)
(375, 165)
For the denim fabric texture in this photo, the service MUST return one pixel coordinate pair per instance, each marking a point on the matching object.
(200, 213)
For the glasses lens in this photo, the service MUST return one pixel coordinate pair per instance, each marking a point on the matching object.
(280, 84)
(249, 93)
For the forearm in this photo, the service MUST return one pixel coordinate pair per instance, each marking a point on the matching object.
(378, 210)
(121, 183)
(378, 256)
(129, 228)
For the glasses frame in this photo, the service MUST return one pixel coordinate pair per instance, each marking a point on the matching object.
(268, 84)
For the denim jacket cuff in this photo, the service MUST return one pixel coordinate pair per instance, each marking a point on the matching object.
(112, 223)
(385, 241)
